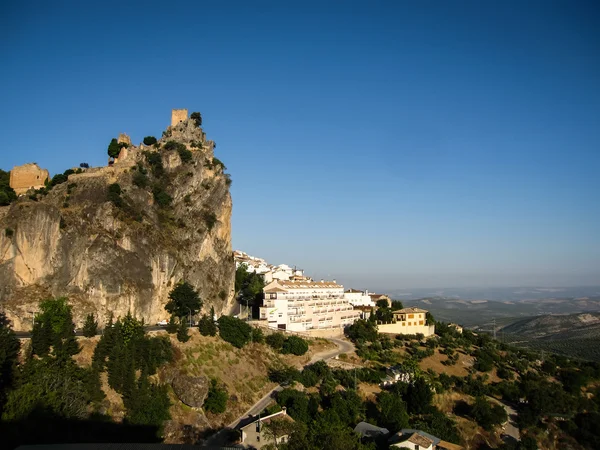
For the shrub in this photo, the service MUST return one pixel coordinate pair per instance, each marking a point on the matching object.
(210, 219)
(161, 197)
(114, 194)
(235, 331)
(216, 162)
(295, 345)
(140, 179)
(8, 232)
(216, 400)
(149, 140)
(156, 165)
(185, 155)
(275, 340)
(196, 117)
(84, 165)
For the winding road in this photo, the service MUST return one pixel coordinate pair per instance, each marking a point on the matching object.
(219, 437)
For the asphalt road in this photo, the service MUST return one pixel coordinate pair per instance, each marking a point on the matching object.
(509, 428)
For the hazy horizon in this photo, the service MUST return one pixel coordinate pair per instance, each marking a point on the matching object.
(386, 145)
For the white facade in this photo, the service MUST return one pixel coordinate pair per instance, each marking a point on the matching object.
(359, 298)
(306, 305)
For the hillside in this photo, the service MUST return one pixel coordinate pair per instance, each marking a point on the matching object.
(118, 238)
(574, 335)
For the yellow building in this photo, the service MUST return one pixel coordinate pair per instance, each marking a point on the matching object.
(408, 321)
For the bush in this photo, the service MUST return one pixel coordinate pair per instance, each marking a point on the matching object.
(155, 161)
(172, 327)
(196, 117)
(161, 197)
(235, 331)
(295, 345)
(210, 219)
(114, 194)
(140, 179)
(149, 140)
(275, 340)
(183, 300)
(216, 400)
(8, 232)
(84, 165)
(185, 155)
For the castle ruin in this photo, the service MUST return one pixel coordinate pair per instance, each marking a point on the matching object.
(178, 115)
(28, 176)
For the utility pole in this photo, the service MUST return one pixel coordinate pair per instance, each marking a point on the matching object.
(494, 325)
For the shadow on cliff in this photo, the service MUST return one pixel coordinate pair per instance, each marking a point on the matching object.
(42, 427)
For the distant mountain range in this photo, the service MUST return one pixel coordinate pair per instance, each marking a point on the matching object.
(481, 313)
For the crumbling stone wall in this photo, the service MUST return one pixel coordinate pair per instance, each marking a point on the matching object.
(27, 176)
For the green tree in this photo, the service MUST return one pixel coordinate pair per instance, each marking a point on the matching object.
(197, 118)
(114, 149)
(172, 326)
(206, 326)
(149, 140)
(391, 411)
(362, 330)
(54, 325)
(147, 404)
(90, 328)
(9, 356)
(486, 414)
(295, 345)
(235, 331)
(216, 400)
(183, 300)
(418, 396)
(7, 194)
(182, 332)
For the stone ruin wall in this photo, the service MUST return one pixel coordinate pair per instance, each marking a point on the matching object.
(178, 115)
(27, 176)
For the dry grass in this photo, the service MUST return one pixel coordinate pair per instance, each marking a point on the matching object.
(435, 363)
(242, 371)
(87, 345)
(369, 391)
(445, 401)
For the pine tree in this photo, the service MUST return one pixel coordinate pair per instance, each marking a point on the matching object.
(90, 328)
(182, 332)
(172, 326)
(207, 326)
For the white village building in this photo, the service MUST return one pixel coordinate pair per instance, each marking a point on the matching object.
(303, 305)
(359, 298)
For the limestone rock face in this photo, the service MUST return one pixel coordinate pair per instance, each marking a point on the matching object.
(109, 258)
(190, 390)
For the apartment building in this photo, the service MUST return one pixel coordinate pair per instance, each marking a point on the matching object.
(359, 298)
(303, 305)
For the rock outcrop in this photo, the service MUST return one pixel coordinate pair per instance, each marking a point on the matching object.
(190, 390)
(114, 253)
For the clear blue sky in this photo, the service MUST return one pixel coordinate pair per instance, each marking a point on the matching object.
(385, 144)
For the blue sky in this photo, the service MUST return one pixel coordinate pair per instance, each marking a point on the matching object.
(385, 144)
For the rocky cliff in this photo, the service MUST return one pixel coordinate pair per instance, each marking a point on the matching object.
(118, 238)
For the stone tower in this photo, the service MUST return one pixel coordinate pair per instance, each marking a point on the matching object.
(178, 115)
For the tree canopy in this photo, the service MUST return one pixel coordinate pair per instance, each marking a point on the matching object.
(183, 300)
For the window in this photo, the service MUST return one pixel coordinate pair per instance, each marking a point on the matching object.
(273, 296)
(409, 324)
(420, 322)
(411, 316)
(403, 324)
